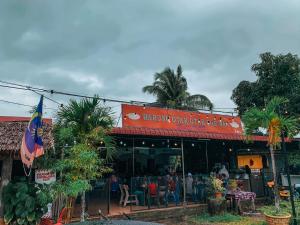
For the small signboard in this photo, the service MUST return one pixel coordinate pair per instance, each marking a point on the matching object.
(45, 176)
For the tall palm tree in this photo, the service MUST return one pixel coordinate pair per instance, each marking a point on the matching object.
(170, 90)
(88, 122)
(274, 123)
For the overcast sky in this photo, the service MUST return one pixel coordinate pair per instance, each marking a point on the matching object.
(113, 47)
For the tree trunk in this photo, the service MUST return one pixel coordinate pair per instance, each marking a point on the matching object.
(5, 178)
(82, 207)
(276, 194)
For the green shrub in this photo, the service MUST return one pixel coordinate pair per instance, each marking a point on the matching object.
(24, 202)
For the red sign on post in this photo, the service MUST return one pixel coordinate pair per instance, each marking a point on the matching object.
(152, 117)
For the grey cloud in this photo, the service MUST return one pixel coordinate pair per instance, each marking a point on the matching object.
(113, 48)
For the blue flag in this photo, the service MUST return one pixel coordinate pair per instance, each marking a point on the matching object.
(32, 143)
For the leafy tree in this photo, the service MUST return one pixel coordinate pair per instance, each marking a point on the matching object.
(275, 123)
(80, 165)
(84, 125)
(277, 75)
(170, 90)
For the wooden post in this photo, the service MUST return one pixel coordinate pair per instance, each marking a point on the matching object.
(6, 169)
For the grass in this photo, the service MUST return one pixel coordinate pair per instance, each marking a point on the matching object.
(227, 218)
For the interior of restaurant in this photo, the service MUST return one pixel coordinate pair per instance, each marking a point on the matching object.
(141, 161)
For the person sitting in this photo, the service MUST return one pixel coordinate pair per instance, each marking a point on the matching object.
(223, 172)
(153, 192)
(224, 175)
(114, 187)
(171, 191)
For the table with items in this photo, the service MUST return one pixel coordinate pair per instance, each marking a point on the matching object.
(238, 196)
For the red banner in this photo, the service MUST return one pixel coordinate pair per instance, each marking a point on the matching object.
(152, 117)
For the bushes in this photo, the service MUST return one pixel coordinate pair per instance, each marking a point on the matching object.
(24, 203)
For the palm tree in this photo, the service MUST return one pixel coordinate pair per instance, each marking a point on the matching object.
(170, 90)
(88, 122)
(84, 116)
(274, 123)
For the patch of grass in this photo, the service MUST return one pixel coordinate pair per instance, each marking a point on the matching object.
(227, 218)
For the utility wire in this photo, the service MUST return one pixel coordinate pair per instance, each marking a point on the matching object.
(21, 104)
(31, 88)
(52, 100)
(51, 91)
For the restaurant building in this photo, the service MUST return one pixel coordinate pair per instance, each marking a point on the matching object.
(153, 143)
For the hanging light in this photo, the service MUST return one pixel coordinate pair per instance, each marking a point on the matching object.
(175, 144)
(143, 143)
(230, 149)
(152, 145)
(193, 145)
(121, 142)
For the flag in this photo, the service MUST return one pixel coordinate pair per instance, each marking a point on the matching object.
(32, 143)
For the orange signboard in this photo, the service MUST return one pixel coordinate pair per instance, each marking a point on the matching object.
(152, 117)
(253, 161)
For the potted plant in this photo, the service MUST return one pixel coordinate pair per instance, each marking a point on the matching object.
(275, 124)
(216, 203)
(215, 187)
(273, 215)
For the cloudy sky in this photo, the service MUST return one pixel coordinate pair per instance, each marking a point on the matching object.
(113, 48)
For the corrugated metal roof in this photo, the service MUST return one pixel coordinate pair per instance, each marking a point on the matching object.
(181, 133)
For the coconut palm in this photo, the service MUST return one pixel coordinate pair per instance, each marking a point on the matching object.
(88, 122)
(85, 115)
(170, 90)
(274, 123)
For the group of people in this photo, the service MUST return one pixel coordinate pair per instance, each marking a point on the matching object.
(162, 189)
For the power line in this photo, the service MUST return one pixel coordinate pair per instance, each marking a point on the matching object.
(21, 104)
(51, 91)
(52, 100)
(31, 88)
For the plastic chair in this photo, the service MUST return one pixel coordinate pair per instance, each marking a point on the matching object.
(122, 194)
(62, 219)
(129, 198)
